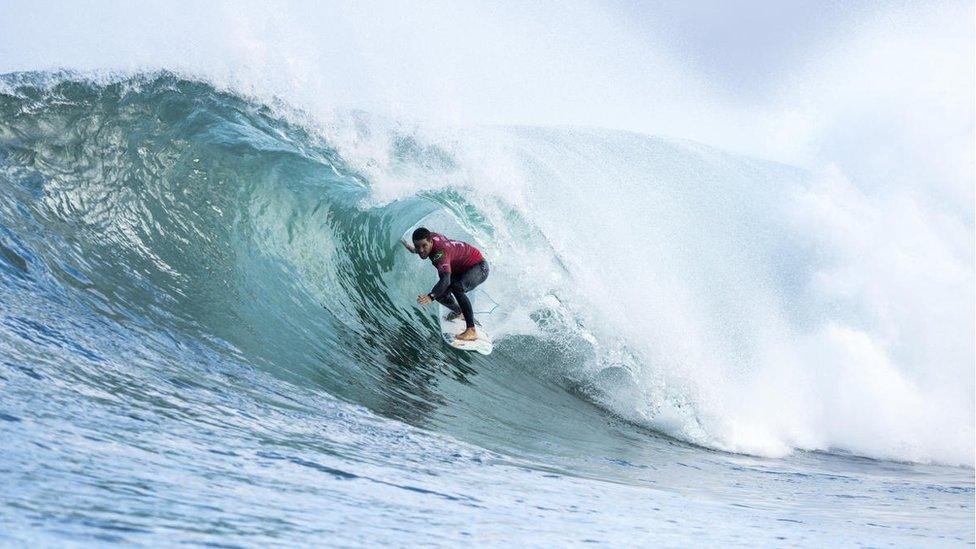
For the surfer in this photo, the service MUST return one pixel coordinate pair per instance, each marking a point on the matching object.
(460, 266)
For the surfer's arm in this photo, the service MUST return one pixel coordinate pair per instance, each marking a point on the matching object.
(408, 246)
(442, 286)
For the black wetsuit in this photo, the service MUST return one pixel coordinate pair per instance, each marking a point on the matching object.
(451, 288)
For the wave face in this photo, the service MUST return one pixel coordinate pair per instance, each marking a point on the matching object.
(189, 275)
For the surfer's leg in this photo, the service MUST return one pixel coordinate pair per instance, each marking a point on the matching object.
(457, 289)
(474, 276)
(464, 283)
(468, 281)
(448, 301)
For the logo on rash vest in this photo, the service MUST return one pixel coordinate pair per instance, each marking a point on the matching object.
(437, 255)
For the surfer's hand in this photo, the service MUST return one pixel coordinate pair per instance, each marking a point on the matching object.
(424, 299)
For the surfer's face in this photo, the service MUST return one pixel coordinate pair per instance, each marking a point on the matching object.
(423, 247)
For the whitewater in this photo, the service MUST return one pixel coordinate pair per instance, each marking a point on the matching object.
(209, 335)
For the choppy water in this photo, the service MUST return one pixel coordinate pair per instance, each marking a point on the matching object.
(208, 335)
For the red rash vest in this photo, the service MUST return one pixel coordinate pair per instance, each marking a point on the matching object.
(453, 256)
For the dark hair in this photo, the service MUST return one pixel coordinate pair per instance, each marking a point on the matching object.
(421, 234)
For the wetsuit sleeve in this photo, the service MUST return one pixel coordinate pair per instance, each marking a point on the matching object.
(442, 285)
(442, 262)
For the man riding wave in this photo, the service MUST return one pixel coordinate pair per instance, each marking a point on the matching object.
(460, 267)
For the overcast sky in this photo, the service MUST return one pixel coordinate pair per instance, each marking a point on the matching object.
(741, 49)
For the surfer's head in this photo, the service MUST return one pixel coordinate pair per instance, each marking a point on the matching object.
(422, 242)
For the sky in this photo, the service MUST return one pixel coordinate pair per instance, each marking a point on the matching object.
(743, 46)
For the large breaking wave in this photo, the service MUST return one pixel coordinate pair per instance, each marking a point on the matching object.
(725, 301)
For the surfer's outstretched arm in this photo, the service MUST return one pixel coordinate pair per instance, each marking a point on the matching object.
(408, 246)
(442, 287)
(440, 290)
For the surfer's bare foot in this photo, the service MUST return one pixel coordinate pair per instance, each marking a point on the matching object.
(468, 335)
(453, 316)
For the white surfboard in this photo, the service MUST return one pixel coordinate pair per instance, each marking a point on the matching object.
(451, 328)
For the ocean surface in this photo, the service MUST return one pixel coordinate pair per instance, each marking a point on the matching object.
(209, 335)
